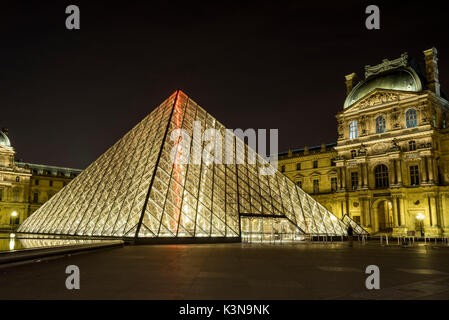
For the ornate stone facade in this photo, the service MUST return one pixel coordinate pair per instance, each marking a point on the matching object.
(394, 167)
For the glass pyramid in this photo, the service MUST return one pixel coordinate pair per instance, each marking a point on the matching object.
(135, 190)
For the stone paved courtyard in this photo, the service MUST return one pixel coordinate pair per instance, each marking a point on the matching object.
(237, 271)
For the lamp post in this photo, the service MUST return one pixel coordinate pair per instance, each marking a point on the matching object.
(13, 219)
(420, 218)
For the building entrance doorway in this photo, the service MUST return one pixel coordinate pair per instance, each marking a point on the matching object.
(384, 215)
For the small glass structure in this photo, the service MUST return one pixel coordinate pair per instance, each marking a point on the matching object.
(357, 228)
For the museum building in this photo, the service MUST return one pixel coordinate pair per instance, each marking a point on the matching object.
(24, 187)
(389, 169)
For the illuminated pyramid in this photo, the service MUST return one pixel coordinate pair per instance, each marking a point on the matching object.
(135, 189)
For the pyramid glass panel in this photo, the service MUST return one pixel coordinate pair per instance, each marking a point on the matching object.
(157, 182)
(357, 228)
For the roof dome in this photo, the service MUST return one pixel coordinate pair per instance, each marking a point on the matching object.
(404, 79)
(4, 140)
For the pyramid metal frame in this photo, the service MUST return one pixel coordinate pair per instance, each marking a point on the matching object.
(134, 190)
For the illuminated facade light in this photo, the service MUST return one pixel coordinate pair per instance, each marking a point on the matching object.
(420, 216)
(135, 190)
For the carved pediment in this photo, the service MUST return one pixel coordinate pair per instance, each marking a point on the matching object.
(379, 97)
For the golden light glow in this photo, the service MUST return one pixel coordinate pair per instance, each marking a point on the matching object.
(420, 216)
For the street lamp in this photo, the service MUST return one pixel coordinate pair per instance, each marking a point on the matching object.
(420, 218)
(13, 218)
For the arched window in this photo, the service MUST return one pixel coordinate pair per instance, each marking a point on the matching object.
(410, 118)
(381, 176)
(380, 124)
(353, 130)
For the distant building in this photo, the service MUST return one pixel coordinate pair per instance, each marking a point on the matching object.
(389, 169)
(24, 187)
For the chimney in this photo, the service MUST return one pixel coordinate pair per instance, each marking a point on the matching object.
(5, 131)
(430, 57)
(350, 82)
(306, 150)
(323, 147)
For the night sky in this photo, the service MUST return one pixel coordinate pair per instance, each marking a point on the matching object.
(68, 95)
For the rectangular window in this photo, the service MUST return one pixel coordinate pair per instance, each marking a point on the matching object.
(51, 183)
(354, 180)
(316, 186)
(283, 169)
(298, 166)
(36, 182)
(357, 219)
(414, 175)
(315, 164)
(412, 145)
(1, 194)
(332, 162)
(353, 130)
(35, 197)
(334, 184)
(299, 184)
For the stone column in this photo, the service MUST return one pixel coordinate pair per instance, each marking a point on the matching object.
(360, 170)
(443, 210)
(395, 211)
(365, 176)
(436, 171)
(423, 170)
(433, 206)
(369, 221)
(428, 220)
(343, 207)
(402, 211)
(393, 163)
(399, 171)
(339, 177)
(343, 178)
(430, 169)
(362, 211)
(391, 172)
